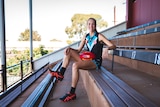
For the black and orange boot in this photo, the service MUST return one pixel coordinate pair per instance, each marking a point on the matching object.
(56, 74)
(68, 97)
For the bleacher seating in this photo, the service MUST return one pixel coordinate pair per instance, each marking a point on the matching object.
(141, 27)
(114, 92)
(117, 92)
(39, 96)
(145, 40)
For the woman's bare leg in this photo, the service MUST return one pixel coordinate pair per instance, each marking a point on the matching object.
(80, 65)
(68, 54)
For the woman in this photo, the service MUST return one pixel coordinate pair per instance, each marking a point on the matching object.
(94, 42)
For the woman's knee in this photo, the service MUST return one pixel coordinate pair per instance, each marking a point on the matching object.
(67, 51)
(75, 66)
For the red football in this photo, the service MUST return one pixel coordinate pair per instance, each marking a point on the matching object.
(87, 55)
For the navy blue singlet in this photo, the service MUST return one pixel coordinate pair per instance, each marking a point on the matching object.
(94, 46)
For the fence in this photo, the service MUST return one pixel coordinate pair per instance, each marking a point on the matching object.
(22, 70)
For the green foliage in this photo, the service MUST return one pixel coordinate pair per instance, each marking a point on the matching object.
(23, 56)
(38, 52)
(79, 22)
(25, 36)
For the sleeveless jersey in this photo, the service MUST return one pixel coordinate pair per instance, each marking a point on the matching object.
(93, 45)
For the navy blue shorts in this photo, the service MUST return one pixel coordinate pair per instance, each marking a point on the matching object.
(97, 62)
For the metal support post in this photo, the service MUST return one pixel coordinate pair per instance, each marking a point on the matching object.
(3, 45)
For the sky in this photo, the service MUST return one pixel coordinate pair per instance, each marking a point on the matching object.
(51, 17)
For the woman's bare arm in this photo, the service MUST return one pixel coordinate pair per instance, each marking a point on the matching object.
(82, 43)
(107, 42)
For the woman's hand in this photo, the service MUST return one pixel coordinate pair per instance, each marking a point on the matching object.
(105, 53)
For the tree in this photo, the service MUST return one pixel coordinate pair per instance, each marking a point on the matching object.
(18, 56)
(78, 27)
(24, 36)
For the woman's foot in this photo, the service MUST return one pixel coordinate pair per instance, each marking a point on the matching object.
(68, 97)
(56, 74)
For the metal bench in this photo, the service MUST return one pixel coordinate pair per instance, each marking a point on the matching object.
(142, 55)
(117, 92)
(39, 96)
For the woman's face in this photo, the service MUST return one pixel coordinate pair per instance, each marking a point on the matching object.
(91, 25)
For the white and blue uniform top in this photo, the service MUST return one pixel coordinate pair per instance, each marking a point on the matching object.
(95, 46)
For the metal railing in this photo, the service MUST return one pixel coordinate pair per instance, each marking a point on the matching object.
(22, 69)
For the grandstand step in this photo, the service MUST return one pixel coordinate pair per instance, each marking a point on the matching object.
(143, 83)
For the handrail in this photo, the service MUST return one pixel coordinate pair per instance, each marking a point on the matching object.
(26, 61)
(11, 80)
